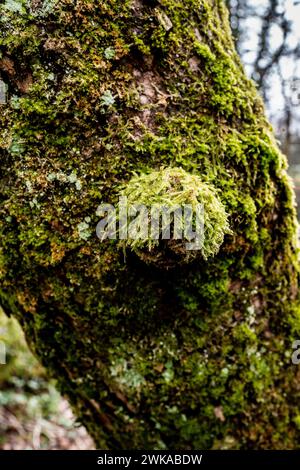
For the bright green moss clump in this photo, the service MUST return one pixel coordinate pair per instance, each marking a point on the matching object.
(166, 194)
(197, 356)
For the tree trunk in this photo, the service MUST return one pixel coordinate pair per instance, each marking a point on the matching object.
(181, 355)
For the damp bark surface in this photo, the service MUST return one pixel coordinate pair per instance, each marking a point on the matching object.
(152, 357)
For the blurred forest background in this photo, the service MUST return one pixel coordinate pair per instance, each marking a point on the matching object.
(33, 415)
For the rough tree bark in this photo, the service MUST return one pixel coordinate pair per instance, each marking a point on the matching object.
(194, 356)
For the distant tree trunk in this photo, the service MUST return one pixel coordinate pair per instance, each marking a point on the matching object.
(166, 356)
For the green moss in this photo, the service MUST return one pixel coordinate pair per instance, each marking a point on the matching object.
(149, 358)
(171, 189)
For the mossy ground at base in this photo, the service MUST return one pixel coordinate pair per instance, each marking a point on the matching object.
(194, 357)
